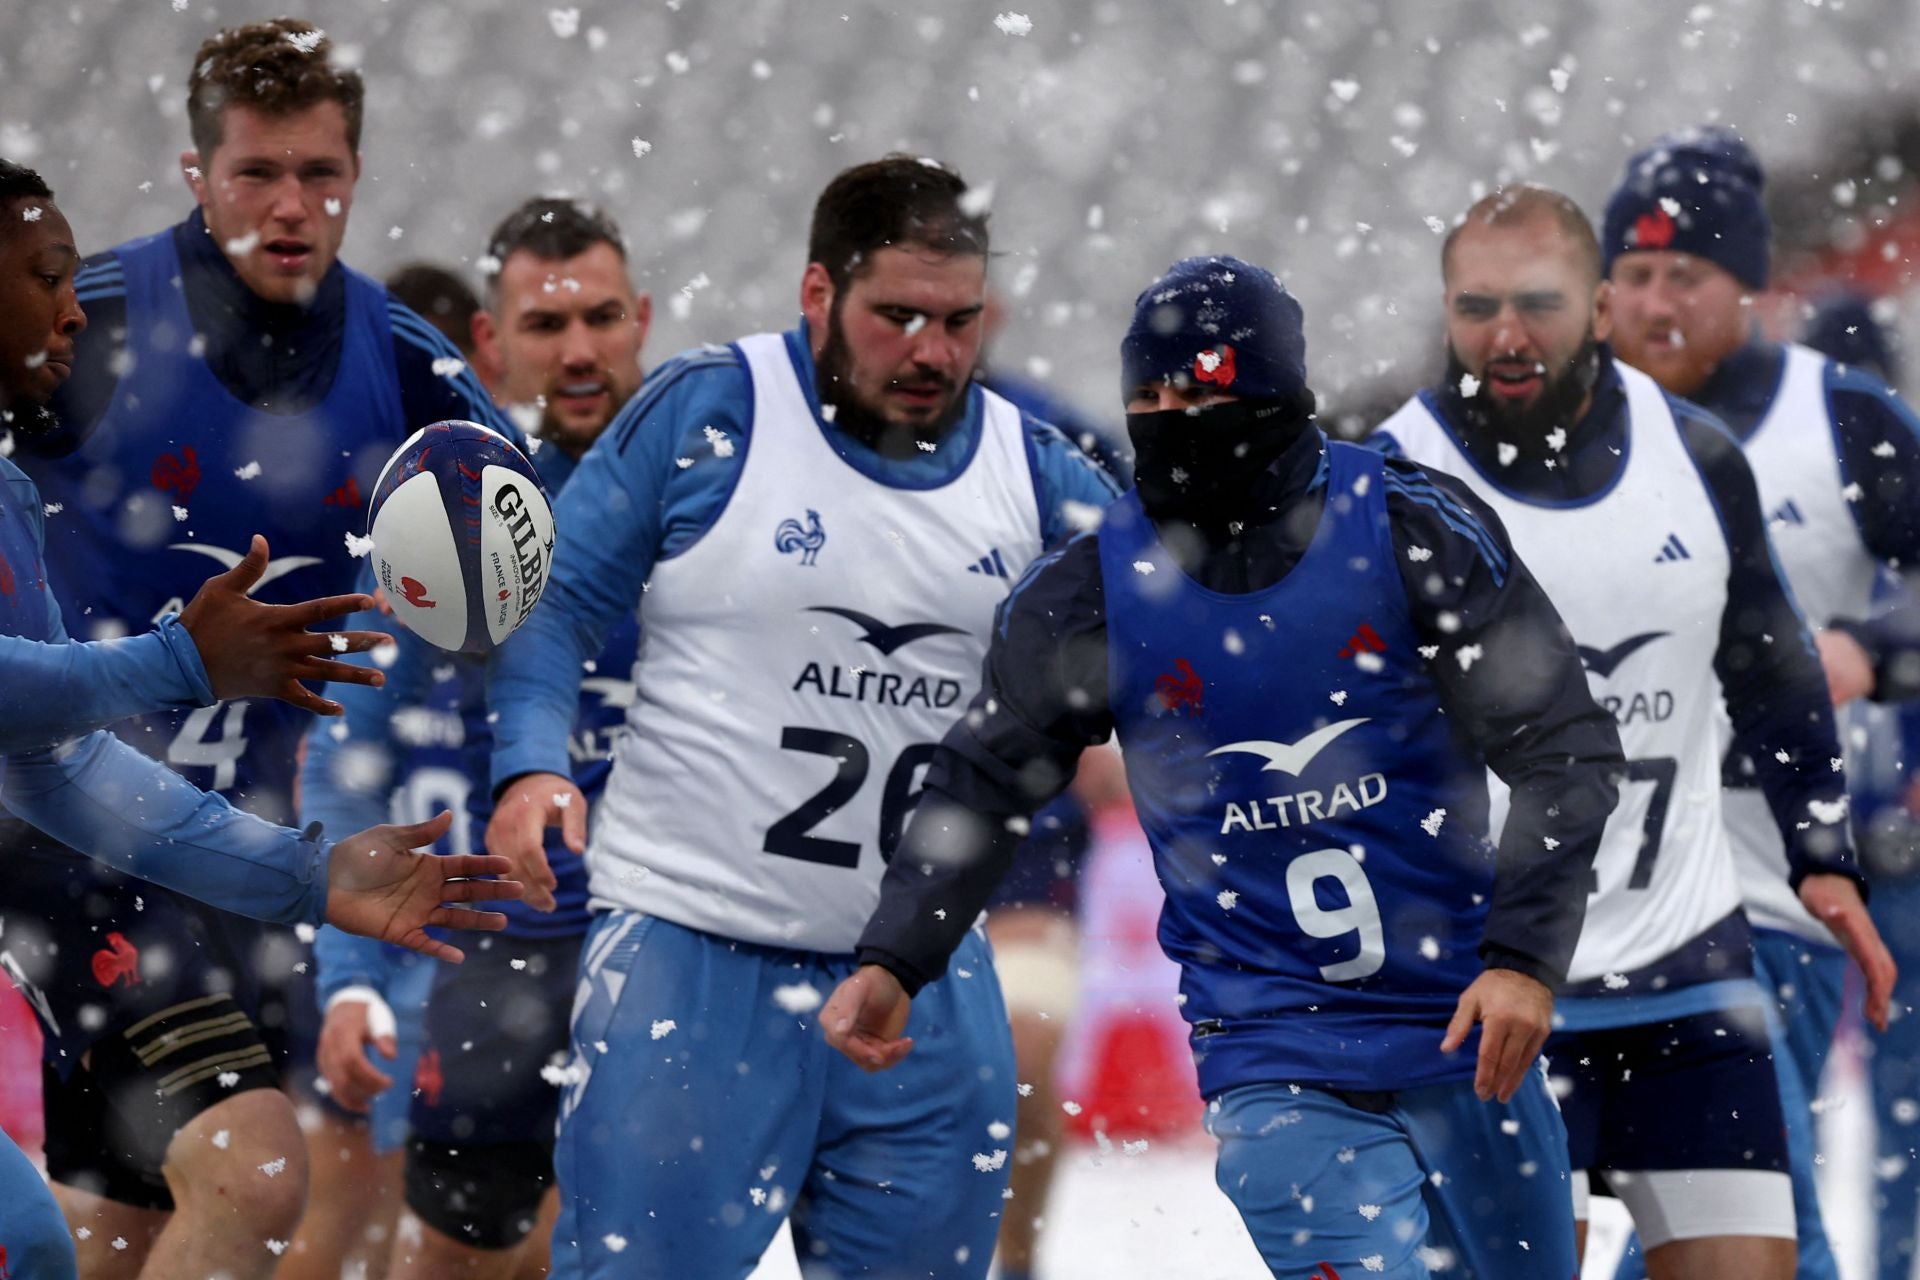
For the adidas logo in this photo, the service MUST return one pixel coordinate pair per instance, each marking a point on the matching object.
(1673, 549)
(347, 495)
(1789, 513)
(990, 564)
(1365, 640)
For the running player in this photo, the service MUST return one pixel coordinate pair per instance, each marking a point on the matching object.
(1311, 655)
(803, 512)
(65, 776)
(561, 334)
(1640, 518)
(236, 379)
(1836, 457)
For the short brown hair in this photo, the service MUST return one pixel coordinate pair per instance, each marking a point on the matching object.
(896, 200)
(277, 68)
(1512, 206)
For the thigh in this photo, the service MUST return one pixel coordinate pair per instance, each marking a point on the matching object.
(929, 1142)
(1678, 1205)
(691, 1104)
(1498, 1185)
(1325, 1188)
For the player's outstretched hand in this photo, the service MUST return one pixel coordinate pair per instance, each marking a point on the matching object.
(1515, 1014)
(255, 650)
(865, 1016)
(518, 829)
(1835, 902)
(1849, 668)
(360, 1018)
(379, 887)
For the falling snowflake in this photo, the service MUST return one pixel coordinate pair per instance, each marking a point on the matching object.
(337, 642)
(248, 472)
(1369, 1211)
(1429, 948)
(1508, 452)
(1013, 24)
(565, 22)
(1468, 654)
(722, 442)
(640, 147)
(663, 1027)
(358, 547)
(990, 1163)
(51, 509)
(449, 366)
(1616, 981)
(179, 513)
(1338, 697)
(1143, 566)
(221, 1138)
(228, 1079)
(1227, 899)
(1469, 387)
(1071, 1108)
(275, 1167)
(31, 213)
(517, 964)
(1345, 90)
(797, 998)
(1419, 555)
(1431, 823)
(614, 1242)
(276, 1247)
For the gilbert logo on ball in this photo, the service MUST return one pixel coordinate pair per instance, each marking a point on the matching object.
(462, 536)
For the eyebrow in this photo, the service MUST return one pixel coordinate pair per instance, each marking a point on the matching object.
(1524, 295)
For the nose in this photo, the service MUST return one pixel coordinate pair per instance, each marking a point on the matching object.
(935, 348)
(288, 203)
(1509, 335)
(576, 347)
(72, 317)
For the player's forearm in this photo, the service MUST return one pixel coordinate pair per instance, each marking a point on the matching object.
(533, 693)
(343, 960)
(52, 692)
(1544, 866)
(100, 796)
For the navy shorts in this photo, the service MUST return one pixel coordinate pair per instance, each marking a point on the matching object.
(1694, 1092)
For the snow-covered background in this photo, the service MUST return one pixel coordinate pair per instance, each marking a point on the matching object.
(1321, 137)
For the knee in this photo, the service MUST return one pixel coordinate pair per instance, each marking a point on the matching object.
(243, 1158)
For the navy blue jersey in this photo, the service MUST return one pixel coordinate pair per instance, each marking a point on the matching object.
(175, 479)
(1321, 834)
(26, 610)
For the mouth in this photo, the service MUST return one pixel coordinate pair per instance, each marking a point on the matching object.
(1667, 340)
(1515, 379)
(288, 256)
(922, 395)
(586, 393)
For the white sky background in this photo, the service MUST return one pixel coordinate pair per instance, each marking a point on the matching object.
(1117, 134)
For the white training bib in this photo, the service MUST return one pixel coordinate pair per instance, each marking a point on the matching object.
(1795, 458)
(797, 665)
(1639, 574)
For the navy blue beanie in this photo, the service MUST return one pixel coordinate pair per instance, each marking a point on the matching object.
(1219, 321)
(1693, 191)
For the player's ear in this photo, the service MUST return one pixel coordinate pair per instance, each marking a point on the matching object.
(642, 316)
(486, 347)
(1603, 311)
(816, 303)
(196, 176)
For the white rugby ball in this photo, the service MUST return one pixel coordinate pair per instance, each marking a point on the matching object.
(462, 536)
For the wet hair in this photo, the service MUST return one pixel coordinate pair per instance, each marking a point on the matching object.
(17, 182)
(276, 67)
(895, 201)
(440, 297)
(1516, 205)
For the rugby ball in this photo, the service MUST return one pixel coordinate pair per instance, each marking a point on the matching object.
(462, 536)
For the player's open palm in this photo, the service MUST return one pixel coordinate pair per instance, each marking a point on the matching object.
(255, 650)
(379, 886)
(1515, 1014)
(865, 1016)
(1836, 903)
(350, 1026)
(518, 829)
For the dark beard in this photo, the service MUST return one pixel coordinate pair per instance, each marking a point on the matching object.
(1527, 428)
(833, 381)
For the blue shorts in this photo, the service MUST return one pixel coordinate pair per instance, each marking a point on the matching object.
(706, 1106)
(1402, 1184)
(33, 1235)
(1694, 1092)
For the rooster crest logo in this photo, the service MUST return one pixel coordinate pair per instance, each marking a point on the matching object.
(791, 536)
(1653, 230)
(1180, 690)
(1215, 365)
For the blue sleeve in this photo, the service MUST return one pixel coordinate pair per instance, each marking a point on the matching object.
(650, 486)
(58, 689)
(1381, 441)
(1071, 487)
(52, 692)
(435, 382)
(99, 795)
(1879, 442)
(1775, 688)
